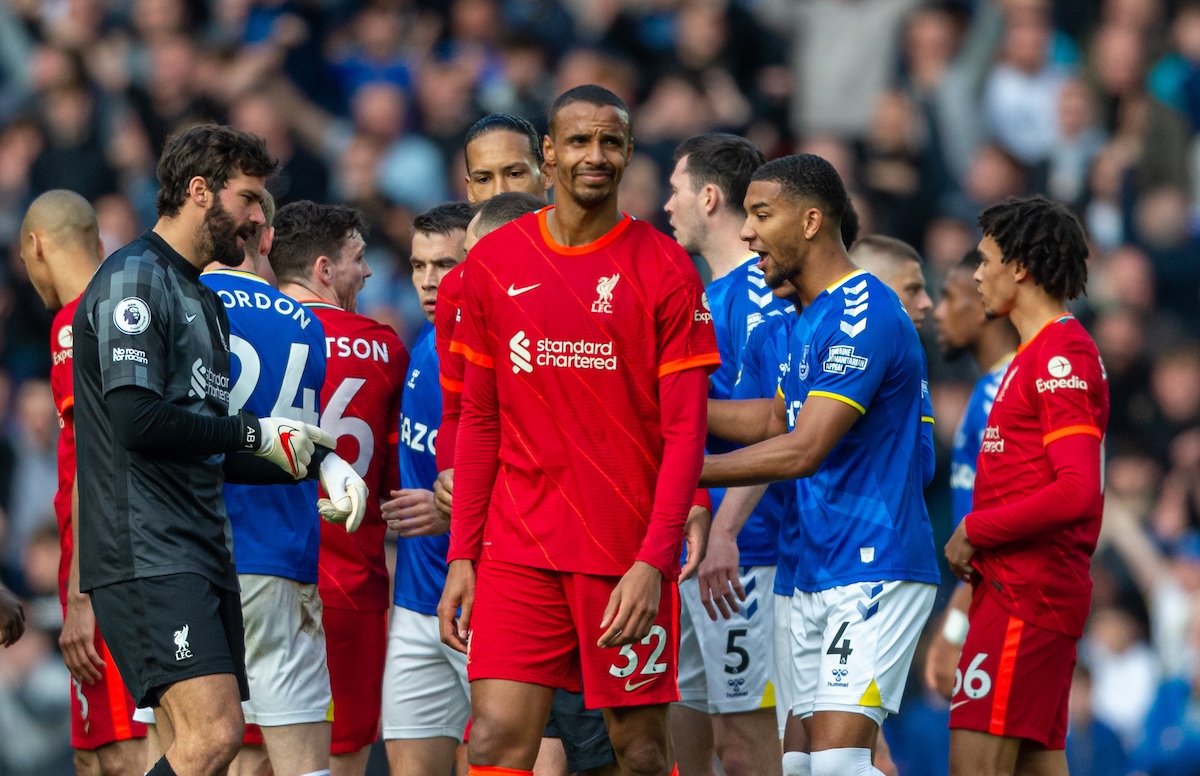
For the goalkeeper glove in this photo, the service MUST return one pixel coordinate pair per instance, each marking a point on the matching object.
(347, 502)
(289, 444)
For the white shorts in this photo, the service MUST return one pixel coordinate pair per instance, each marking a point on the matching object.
(425, 688)
(144, 715)
(784, 684)
(852, 646)
(285, 652)
(725, 666)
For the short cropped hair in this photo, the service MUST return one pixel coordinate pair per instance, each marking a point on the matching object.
(807, 177)
(894, 249)
(504, 122)
(215, 153)
(268, 206)
(1045, 238)
(505, 207)
(305, 231)
(725, 161)
(445, 218)
(591, 94)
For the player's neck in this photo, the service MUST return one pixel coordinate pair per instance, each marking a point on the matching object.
(180, 234)
(995, 342)
(1034, 308)
(724, 251)
(301, 291)
(824, 266)
(572, 225)
(72, 272)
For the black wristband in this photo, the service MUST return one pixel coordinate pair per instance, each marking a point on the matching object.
(251, 431)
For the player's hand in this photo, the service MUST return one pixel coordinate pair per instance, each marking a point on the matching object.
(347, 502)
(720, 584)
(12, 618)
(695, 535)
(959, 553)
(459, 592)
(632, 607)
(289, 444)
(413, 512)
(443, 491)
(78, 640)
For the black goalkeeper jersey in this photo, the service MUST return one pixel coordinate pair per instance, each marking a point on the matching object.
(146, 320)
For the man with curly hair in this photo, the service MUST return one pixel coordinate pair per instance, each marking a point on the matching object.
(1026, 545)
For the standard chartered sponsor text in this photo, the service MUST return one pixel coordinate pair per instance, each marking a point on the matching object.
(576, 354)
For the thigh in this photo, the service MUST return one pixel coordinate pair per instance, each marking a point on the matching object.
(693, 684)
(870, 635)
(286, 663)
(356, 645)
(639, 674)
(739, 653)
(198, 705)
(1013, 678)
(507, 720)
(522, 628)
(420, 756)
(425, 692)
(168, 629)
(582, 732)
(807, 627)
(1035, 761)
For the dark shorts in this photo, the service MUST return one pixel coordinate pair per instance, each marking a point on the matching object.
(162, 630)
(581, 730)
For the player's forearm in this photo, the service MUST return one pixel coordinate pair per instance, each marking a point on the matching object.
(475, 463)
(781, 458)
(736, 508)
(143, 422)
(1072, 497)
(682, 399)
(743, 421)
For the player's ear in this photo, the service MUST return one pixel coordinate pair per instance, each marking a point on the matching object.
(812, 220)
(35, 240)
(548, 150)
(1018, 270)
(712, 198)
(199, 192)
(268, 239)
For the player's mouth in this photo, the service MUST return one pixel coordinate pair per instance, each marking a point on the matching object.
(429, 303)
(594, 177)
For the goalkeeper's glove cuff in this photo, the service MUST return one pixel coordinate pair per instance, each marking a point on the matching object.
(252, 436)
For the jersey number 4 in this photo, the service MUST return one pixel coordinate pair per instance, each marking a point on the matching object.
(293, 373)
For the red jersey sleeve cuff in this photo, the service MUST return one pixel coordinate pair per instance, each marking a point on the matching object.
(712, 360)
(669, 569)
(479, 359)
(1054, 436)
(454, 386)
(702, 499)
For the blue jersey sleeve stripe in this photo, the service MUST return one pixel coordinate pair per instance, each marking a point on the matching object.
(841, 398)
(926, 419)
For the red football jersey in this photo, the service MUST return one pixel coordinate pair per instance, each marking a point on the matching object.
(365, 364)
(1055, 386)
(578, 338)
(62, 386)
(450, 364)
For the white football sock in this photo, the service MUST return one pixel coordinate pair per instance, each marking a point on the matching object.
(844, 762)
(796, 764)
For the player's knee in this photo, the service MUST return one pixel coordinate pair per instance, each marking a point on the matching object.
(123, 758)
(494, 743)
(224, 737)
(644, 756)
(86, 763)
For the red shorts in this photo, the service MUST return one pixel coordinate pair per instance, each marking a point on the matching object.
(538, 626)
(356, 648)
(1013, 678)
(102, 713)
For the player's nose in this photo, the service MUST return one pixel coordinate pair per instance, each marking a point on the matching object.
(924, 302)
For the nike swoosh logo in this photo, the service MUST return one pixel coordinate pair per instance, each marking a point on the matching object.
(630, 686)
(954, 706)
(191, 317)
(285, 439)
(518, 291)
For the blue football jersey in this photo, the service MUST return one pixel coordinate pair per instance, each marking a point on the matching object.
(277, 369)
(763, 365)
(863, 516)
(969, 438)
(739, 302)
(420, 561)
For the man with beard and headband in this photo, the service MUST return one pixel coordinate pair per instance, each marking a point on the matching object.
(318, 258)
(963, 326)
(156, 443)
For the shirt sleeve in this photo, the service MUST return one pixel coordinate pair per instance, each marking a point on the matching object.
(132, 325)
(928, 458)
(450, 367)
(749, 377)
(62, 381)
(471, 340)
(1068, 391)
(391, 467)
(685, 331)
(851, 358)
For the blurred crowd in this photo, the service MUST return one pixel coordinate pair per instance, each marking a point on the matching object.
(930, 110)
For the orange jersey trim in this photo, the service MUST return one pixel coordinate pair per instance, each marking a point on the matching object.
(1054, 436)
(1004, 675)
(493, 770)
(116, 696)
(479, 359)
(454, 386)
(579, 250)
(1055, 319)
(67, 403)
(680, 364)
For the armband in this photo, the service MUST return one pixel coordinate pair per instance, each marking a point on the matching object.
(954, 630)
